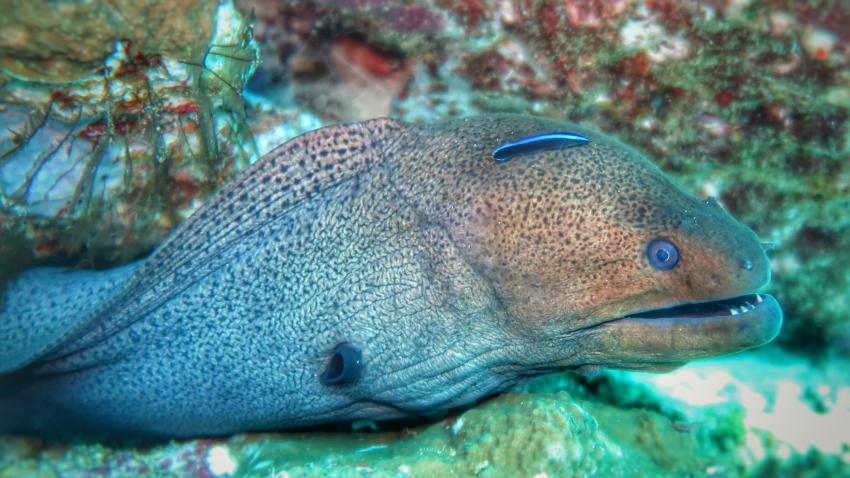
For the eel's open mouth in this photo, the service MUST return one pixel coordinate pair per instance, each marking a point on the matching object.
(738, 305)
(685, 332)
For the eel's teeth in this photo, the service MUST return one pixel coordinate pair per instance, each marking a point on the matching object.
(759, 299)
(733, 311)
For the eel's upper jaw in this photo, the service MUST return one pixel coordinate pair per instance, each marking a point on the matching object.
(686, 332)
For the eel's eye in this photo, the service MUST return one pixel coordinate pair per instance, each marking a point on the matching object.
(344, 365)
(662, 254)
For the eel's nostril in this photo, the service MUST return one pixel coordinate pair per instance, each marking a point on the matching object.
(746, 264)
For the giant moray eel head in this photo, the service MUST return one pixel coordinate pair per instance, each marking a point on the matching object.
(595, 255)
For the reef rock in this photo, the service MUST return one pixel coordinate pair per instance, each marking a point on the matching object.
(117, 117)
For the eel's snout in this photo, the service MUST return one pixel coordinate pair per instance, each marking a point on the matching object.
(686, 333)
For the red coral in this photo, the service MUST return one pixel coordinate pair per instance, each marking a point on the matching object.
(358, 52)
(593, 14)
(63, 100)
(468, 12)
(725, 98)
(100, 128)
(550, 19)
(183, 109)
(636, 65)
(184, 188)
(672, 13)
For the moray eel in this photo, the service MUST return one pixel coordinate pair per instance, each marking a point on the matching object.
(380, 270)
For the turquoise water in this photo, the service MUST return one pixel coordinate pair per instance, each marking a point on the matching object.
(115, 132)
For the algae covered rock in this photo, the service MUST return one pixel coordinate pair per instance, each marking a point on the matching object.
(533, 435)
(60, 42)
(117, 117)
(518, 434)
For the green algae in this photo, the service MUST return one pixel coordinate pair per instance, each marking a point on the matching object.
(813, 464)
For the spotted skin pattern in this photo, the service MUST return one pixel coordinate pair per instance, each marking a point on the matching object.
(456, 276)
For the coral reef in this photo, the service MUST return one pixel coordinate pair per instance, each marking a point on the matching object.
(112, 129)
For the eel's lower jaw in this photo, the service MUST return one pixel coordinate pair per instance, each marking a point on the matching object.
(686, 332)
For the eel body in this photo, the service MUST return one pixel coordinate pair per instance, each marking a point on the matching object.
(380, 270)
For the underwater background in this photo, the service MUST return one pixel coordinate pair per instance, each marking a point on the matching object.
(120, 117)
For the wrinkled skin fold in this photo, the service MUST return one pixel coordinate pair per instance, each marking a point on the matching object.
(382, 270)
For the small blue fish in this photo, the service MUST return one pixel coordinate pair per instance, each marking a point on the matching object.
(538, 142)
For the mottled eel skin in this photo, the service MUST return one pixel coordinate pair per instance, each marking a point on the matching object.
(380, 270)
